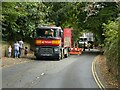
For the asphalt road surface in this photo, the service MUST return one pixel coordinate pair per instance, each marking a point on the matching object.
(72, 72)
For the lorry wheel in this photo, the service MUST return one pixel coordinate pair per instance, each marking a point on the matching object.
(66, 55)
(37, 58)
(62, 55)
(59, 56)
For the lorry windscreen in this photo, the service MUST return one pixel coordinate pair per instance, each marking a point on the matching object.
(46, 32)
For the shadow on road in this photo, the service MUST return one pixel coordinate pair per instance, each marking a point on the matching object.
(86, 52)
(27, 57)
(44, 59)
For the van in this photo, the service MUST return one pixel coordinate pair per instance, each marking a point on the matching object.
(81, 42)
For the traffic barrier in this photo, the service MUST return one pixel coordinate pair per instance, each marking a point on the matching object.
(74, 51)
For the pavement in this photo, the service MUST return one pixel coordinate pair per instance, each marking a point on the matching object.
(7, 62)
(104, 78)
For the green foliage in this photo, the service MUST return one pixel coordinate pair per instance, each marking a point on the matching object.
(66, 15)
(111, 46)
(19, 19)
(97, 16)
(110, 32)
(119, 50)
(112, 55)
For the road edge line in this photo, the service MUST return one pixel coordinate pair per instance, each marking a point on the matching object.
(95, 75)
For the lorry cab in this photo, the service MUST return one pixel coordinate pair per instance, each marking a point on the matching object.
(48, 42)
(49, 32)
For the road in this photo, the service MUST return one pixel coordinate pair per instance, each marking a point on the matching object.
(72, 72)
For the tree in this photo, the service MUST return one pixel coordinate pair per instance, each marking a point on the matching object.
(10, 15)
(83, 16)
(19, 19)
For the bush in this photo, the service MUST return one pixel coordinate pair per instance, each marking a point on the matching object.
(112, 47)
(112, 57)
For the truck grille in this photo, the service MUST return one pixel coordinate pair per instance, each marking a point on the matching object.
(46, 50)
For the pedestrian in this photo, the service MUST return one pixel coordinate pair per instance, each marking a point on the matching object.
(16, 49)
(26, 51)
(84, 46)
(20, 48)
(9, 51)
(88, 46)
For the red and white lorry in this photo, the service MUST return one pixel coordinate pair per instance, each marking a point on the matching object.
(52, 42)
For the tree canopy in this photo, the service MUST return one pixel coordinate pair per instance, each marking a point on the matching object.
(19, 19)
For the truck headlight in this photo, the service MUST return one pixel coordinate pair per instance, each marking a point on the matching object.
(56, 49)
(36, 49)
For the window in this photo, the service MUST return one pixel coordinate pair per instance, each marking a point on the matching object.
(46, 32)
